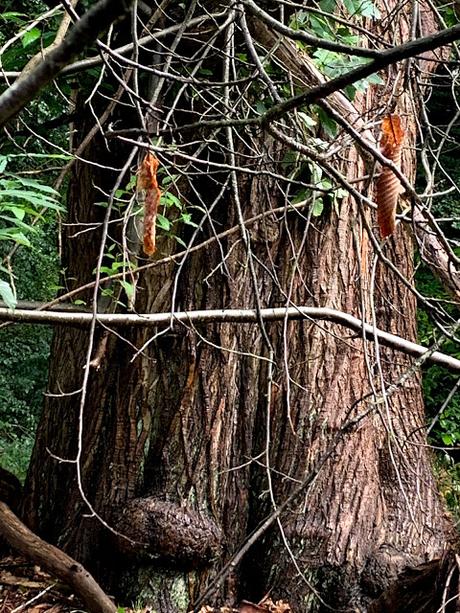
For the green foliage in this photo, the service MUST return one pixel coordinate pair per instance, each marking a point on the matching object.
(15, 450)
(25, 352)
(169, 221)
(27, 219)
(23, 202)
(28, 210)
(23, 376)
(448, 476)
(331, 63)
(334, 64)
(32, 39)
(437, 381)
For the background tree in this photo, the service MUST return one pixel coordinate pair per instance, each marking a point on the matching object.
(159, 453)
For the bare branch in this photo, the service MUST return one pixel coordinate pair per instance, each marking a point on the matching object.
(53, 560)
(83, 34)
(231, 315)
(96, 60)
(386, 58)
(312, 41)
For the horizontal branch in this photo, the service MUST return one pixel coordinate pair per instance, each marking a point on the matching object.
(97, 60)
(385, 59)
(95, 21)
(233, 316)
(305, 37)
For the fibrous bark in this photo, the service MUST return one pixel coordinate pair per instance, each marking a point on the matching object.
(150, 529)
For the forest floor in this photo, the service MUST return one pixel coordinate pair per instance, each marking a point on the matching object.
(26, 588)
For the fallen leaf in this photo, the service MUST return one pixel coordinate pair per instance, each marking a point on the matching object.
(7, 578)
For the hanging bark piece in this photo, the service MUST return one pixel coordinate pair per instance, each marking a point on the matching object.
(149, 192)
(388, 184)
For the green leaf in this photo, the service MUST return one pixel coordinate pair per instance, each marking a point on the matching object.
(129, 289)
(321, 27)
(169, 179)
(36, 185)
(13, 234)
(187, 219)
(170, 199)
(317, 208)
(260, 107)
(12, 16)
(50, 156)
(368, 9)
(40, 200)
(18, 212)
(7, 294)
(163, 222)
(104, 269)
(31, 36)
(181, 242)
(306, 119)
(340, 193)
(18, 223)
(300, 196)
(327, 124)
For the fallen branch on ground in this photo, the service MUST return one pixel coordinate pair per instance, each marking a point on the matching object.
(54, 561)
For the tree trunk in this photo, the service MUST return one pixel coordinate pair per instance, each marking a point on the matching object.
(188, 447)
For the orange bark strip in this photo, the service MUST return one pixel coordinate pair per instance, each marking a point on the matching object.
(388, 185)
(147, 182)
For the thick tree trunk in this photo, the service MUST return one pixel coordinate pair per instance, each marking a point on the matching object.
(189, 446)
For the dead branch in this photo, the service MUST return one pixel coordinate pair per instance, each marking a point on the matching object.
(83, 34)
(54, 561)
(62, 31)
(235, 316)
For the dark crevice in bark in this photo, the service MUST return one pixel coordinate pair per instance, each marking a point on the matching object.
(433, 586)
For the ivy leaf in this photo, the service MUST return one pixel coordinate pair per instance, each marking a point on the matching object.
(181, 242)
(368, 9)
(306, 119)
(7, 294)
(169, 199)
